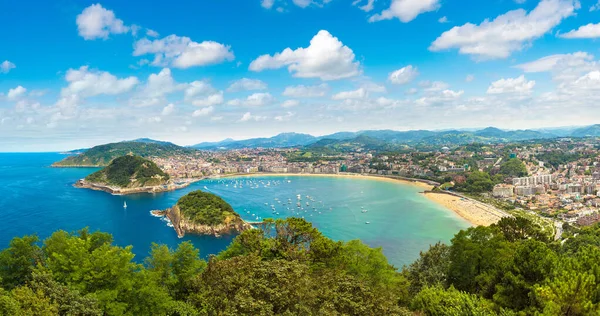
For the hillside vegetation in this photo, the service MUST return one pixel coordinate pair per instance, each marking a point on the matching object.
(130, 171)
(205, 208)
(100, 156)
(290, 268)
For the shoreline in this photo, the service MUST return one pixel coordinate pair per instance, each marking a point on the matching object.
(473, 211)
(408, 181)
(127, 191)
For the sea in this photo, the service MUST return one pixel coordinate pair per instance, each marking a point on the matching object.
(38, 199)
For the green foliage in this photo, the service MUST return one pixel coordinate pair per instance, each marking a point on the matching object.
(127, 171)
(477, 182)
(514, 168)
(205, 208)
(100, 156)
(289, 268)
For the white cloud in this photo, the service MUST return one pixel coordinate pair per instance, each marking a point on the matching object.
(203, 112)
(470, 78)
(196, 88)
(430, 86)
(249, 117)
(152, 33)
(157, 87)
(16, 93)
(87, 83)
(403, 75)
(213, 99)
(326, 58)
(443, 19)
(246, 84)
(564, 67)
(267, 4)
(406, 10)
(595, 7)
(360, 93)
(283, 118)
(589, 82)
(439, 98)
(302, 91)
(182, 52)
(508, 32)
(290, 103)
(6, 66)
(256, 99)
(367, 7)
(167, 110)
(518, 85)
(97, 22)
(586, 31)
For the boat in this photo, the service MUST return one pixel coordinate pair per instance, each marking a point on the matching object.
(367, 222)
(364, 211)
(125, 204)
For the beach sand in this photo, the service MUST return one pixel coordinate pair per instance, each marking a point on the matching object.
(475, 212)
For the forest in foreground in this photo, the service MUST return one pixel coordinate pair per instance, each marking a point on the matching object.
(289, 268)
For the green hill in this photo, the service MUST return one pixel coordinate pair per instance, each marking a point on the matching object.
(102, 155)
(130, 172)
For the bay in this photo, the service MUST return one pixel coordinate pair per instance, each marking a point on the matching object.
(38, 199)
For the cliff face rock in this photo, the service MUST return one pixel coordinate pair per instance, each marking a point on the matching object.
(232, 224)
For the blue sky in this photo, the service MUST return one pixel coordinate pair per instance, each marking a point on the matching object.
(79, 73)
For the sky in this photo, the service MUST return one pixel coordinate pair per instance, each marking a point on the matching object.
(76, 73)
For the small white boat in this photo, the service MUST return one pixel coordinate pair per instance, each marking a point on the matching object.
(124, 204)
(367, 222)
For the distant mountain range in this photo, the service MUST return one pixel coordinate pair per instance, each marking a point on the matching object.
(390, 137)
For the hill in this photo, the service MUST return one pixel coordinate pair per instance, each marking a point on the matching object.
(589, 131)
(205, 214)
(278, 141)
(102, 155)
(129, 172)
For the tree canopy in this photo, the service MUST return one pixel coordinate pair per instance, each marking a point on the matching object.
(129, 170)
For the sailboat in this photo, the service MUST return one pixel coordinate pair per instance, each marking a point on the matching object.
(125, 204)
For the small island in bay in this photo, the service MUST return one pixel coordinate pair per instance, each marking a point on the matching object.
(203, 213)
(130, 174)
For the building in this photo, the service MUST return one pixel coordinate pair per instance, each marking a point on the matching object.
(533, 180)
(503, 191)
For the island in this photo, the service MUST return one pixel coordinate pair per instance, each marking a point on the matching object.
(130, 174)
(203, 213)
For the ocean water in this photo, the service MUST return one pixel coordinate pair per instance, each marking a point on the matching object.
(38, 199)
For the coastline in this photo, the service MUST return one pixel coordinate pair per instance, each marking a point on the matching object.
(408, 181)
(81, 184)
(473, 211)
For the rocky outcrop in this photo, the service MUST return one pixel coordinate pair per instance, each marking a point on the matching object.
(182, 225)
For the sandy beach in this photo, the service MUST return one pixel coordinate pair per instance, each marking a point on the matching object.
(475, 212)
(419, 184)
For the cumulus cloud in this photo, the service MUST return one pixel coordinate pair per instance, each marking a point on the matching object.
(157, 87)
(6, 66)
(406, 10)
(302, 91)
(326, 58)
(256, 99)
(203, 112)
(210, 100)
(182, 52)
(360, 93)
(518, 85)
(403, 75)
(506, 33)
(366, 5)
(267, 4)
(168, 110)
(249, 117)
(290, 103)
(439, 98)
(97, 22)
(16, 93)
(84, 82)
(246, 84)
(430, 86)
(282, 118)
(196, 88)
(563, 67)
(586, 31)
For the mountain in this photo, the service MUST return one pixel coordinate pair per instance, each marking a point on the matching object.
(514, 135)
(588, 131)
(150, 141)
(129, 172)
(102, 155)
(279, 141)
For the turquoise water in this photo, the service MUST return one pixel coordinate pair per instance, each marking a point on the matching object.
(37, 199)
